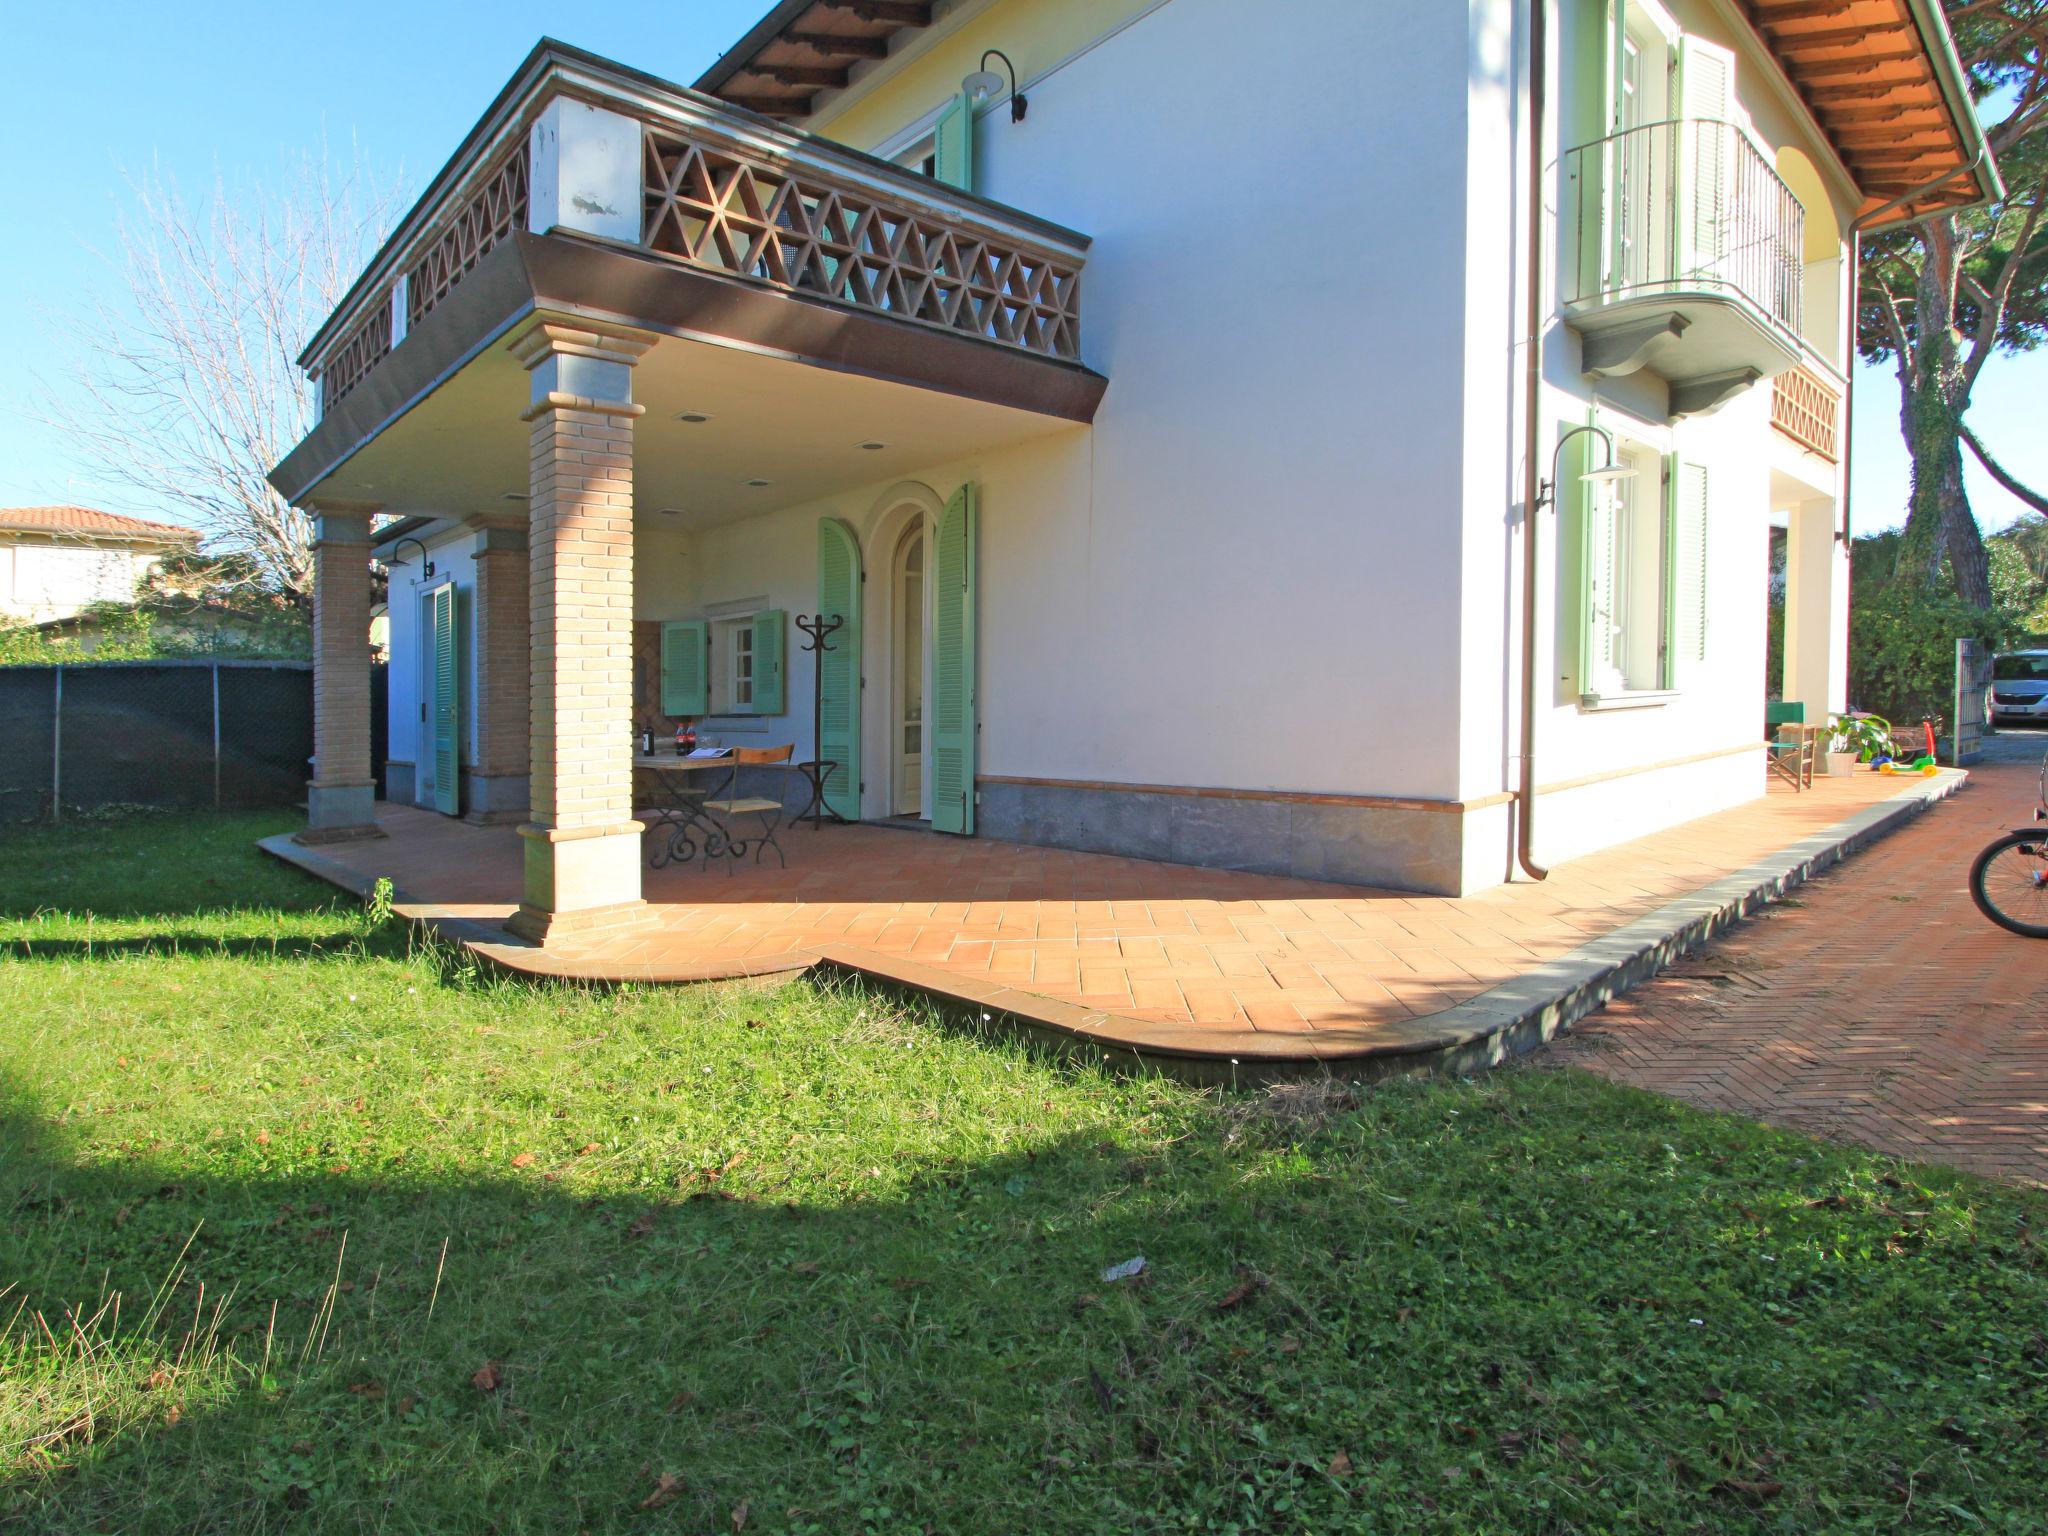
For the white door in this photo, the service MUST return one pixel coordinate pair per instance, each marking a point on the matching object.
(906, 794)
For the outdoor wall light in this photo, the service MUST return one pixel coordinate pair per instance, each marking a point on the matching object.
(1610, 473)
(426, 565)
(982, 85)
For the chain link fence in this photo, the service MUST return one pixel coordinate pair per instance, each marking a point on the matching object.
(171, 735)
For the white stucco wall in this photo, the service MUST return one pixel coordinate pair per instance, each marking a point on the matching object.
(42, 579)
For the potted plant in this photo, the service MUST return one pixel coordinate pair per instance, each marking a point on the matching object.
(1857, 738)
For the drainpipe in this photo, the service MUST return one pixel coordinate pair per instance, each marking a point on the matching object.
(1525, 795)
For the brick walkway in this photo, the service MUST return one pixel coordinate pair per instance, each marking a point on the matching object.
(1149, 956)
(1877, 1007)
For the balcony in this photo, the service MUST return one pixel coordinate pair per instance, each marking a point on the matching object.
(1682, 258)
(594, 192)
(1808, 409)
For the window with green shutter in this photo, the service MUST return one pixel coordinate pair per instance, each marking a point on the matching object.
(1686, 645)
(685, 669)
(839, 578)
(953, 680)
(769, 628)
(447, 702)
(953, 144)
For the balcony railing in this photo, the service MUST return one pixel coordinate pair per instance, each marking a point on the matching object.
(1685, 207)
(689, 180)
(1808, 409)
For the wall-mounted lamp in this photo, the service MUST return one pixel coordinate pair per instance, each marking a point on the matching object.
(426, 565)
(1612, 472)
(982, 85)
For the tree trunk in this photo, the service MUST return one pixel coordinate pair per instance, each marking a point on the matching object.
(1936, 392)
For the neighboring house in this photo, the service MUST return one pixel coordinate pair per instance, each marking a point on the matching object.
(1170, 446)
(55, 561)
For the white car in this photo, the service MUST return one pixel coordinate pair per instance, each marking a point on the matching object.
(2019, 687)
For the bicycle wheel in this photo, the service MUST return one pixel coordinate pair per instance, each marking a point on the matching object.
(2009, 883)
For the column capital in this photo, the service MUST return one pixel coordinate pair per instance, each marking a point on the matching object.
(341, 522)
(579, 367)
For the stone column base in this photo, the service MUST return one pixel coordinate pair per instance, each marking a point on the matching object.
(340, 812)
(579, 880)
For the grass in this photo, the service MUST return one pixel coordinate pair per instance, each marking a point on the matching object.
(310, 1226)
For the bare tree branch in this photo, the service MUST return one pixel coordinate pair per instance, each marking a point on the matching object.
(186, 390)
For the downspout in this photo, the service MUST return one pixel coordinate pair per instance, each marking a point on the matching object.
(1525, 794)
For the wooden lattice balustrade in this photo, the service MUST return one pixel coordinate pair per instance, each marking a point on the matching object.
(498, 208)
(723, 193)
(1807, 409)
(362, 350)
(796, 228)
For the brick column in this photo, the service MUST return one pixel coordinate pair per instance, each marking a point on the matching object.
(341, 800)
(582, 843)
(498, 785)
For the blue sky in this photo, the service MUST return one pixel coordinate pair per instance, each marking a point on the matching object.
(238, 87)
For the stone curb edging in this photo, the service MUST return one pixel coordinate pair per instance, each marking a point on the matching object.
(1504, 1021)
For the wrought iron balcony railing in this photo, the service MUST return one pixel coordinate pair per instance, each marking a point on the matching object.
(1685, 207)
(712, 188)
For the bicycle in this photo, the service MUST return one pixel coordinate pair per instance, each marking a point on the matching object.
(2009, 880)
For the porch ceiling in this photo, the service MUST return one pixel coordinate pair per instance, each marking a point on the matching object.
(463, 449)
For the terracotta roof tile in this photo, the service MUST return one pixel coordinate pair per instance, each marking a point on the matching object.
(90, 523)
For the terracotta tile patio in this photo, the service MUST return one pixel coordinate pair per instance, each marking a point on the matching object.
(1183, 960)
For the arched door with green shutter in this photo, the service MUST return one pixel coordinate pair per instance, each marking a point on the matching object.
(953, 680)
(839, 580)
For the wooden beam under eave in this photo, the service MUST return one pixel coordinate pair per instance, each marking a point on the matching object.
(800, 74)
(902, 13)
(770, 106)
(1796, 10)
(1906, 117)
(840, 47)
(1824, 37)
(1856, 64)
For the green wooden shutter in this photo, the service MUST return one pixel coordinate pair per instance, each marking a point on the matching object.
(1592, 518)
(769, 627)
(685, 669)
(447, 704)
(1705, 160)
(953, 144)
(839, 668)
(1685, 543)
(953, 681)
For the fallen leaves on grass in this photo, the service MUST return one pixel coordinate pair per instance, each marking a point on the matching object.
(666, 1487)
(523, 1160)
(739, 1515)
(488, 1378)
(1340, 1465)
(1241, 1292)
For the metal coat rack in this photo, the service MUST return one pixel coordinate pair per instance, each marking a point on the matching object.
(820, 629)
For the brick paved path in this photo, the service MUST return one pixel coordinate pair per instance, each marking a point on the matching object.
(1877, 1006)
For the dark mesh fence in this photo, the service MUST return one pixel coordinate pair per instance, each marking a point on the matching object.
(168, 734)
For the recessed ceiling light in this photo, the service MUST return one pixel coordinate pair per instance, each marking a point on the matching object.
(694, 418)
(871, 446)
(670, 511)
(517, 496)
(757, 484)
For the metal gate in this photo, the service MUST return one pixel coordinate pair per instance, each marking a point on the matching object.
(1973, 687)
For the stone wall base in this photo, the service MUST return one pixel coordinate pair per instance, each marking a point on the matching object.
(579, 879)
(495, 799)
(1412, 848)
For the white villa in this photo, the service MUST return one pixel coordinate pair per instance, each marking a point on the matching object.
(1179, 401)
(57, 561)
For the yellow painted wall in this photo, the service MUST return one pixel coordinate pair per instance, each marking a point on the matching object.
(1036, 34)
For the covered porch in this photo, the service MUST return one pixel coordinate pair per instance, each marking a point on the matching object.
(1202, 970)
(629, 337)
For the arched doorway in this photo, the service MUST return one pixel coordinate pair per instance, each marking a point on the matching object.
(909, 646)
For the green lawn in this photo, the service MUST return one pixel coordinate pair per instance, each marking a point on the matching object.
(309, 1226)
